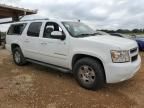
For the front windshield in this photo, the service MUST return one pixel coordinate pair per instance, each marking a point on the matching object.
(78, 29)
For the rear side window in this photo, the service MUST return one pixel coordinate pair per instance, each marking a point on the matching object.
(34, 29)
(16, 29)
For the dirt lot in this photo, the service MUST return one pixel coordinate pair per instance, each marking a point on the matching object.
(34, 86)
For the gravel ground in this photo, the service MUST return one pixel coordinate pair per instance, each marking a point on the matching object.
(34, 86)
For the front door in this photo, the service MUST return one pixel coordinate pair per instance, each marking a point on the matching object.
(53, 51)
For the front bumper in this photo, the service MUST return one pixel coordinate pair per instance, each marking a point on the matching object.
(118, 72)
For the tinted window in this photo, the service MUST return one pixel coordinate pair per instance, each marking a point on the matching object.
(34, 29)
(16, 29)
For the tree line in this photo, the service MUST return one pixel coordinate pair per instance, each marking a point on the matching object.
(125, 31)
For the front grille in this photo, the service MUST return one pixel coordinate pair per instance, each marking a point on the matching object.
(133, 50)
(134, 58)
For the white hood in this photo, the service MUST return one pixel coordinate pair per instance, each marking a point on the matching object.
(122, 43)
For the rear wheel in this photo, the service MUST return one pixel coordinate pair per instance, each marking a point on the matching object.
(89, 73)
(18, 57)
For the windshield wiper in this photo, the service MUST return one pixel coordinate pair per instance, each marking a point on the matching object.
(83, 35)
(86, 34)
(93, 34)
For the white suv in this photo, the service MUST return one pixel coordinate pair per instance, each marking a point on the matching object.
(93, 58)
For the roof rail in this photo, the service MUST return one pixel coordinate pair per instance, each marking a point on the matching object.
(35, 19)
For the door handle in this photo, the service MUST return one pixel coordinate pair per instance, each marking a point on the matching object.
(26, 41)
(43, 43)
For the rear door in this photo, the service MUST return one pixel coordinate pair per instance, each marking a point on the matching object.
(31, 40)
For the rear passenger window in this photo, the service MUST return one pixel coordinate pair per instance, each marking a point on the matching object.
(34, 29)
(16, 29)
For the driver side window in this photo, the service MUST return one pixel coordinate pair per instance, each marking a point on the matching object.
(49, 28)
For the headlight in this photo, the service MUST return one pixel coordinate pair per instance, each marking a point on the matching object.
(119, 56)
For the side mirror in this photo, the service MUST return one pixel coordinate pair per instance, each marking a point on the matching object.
(58, 35)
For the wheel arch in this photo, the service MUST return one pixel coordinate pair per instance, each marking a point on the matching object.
(77, 57)
(13, 46)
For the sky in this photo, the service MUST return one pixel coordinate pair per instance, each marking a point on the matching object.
(99, 14)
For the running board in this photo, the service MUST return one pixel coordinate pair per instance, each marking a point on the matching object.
(64, 70)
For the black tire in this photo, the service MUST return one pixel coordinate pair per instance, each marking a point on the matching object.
(21, 60)
(93, 67)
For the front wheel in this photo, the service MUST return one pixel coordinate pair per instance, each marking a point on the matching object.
(89, 73)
